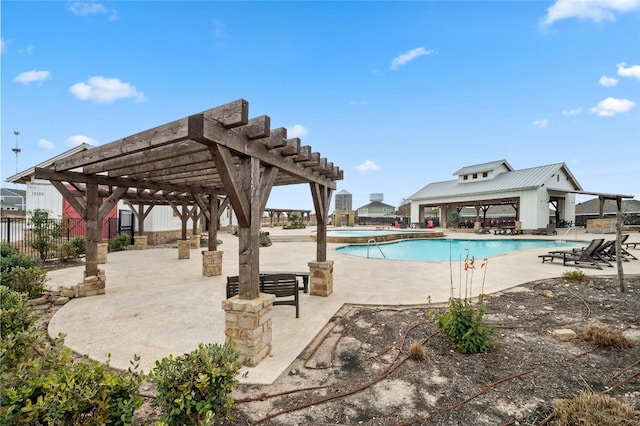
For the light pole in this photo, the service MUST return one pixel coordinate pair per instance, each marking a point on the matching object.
(16, 150)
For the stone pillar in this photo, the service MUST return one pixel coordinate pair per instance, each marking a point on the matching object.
(195, 241)
(211, 263)
(91, 285)
(477, 226)
(321, 278)
(103, 248)
(140, 243)
(184, 247)
(248, 324)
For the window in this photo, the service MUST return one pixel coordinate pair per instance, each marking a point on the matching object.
(465, 177)
(485, 174)
(475, 176)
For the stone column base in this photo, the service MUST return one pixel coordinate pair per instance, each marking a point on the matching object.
(248, 324)
(184, 247)
(321, 278)
(91, 285)
(140, 243)
(103, 248)
(212, 263)
(195, 241)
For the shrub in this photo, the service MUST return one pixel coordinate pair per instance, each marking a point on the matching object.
(265, 239)
(26, 280)
(11, 258)
(43, 384)
(576, 275)
(18, 329)
(45, 232)
(195, 388)
(80, 244)
(462, 325)
(121, 241)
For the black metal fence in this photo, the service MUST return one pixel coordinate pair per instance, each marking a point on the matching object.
(29, 237)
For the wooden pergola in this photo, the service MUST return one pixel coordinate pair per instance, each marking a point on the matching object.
(202, 161)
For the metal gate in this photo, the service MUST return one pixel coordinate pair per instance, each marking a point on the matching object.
(125, 223)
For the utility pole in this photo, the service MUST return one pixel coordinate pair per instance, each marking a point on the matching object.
(16, 150)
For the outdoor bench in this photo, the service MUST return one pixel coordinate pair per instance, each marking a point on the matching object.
(280, 285)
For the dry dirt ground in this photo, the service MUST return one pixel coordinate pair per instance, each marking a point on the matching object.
(357, 371)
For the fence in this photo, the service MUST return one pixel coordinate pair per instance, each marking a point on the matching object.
(27, 236)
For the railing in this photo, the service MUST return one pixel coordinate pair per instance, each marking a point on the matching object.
(23, 235)
(561, 237)
(376, 243)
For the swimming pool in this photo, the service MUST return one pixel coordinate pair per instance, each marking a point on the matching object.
(445, 249)
(352, 236)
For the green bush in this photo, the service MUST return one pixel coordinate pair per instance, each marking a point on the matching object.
(80, 243)
(121, 241)
(195, 388)
(462, 325)
(18, 329)
(43, 385)
(26, 280)
(11, 258)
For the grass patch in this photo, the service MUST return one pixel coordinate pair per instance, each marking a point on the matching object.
(605, 337)
(594, 410)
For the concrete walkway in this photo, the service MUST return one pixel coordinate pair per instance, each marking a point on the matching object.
(156, 304)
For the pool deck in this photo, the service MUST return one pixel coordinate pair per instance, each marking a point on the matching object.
(156, 304)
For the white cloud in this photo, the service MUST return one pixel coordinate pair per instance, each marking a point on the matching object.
(296, 131)
(632, 71)
(31, 76)
(593, 10)
(367, 166)
(105, 90)
(575, 111)
(612, 106)
(541, 123)
(46, 145)
(608, 81)
(409, 56)
(76, 140)
(86, 8)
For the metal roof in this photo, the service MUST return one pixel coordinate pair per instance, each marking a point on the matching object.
(483, 167)
(508, 181)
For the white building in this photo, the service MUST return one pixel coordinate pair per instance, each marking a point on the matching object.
(531, 192)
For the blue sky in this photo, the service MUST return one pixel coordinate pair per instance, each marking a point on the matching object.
(396, 94)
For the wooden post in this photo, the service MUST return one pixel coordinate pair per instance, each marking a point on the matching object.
(619, 226)
(213, 223)
(321, 199)
(94, 231)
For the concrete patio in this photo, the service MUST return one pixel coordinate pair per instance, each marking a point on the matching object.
(156, 304)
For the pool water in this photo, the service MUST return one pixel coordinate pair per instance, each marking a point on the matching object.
(445, 249)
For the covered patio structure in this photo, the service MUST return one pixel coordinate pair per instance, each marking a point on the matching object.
(202, 162)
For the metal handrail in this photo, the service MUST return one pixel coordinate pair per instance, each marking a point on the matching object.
(372, 240)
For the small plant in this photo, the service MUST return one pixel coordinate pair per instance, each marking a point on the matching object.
(462, 325)
(265, 239)
(605, 337)
(576, 275)
(417, 352)
(45, 232)
(195, 388)
(121, 241)
(594, 410)
(80, 244)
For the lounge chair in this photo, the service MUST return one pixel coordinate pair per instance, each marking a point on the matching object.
(611, 254)
(588, 257)
(549, 230)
